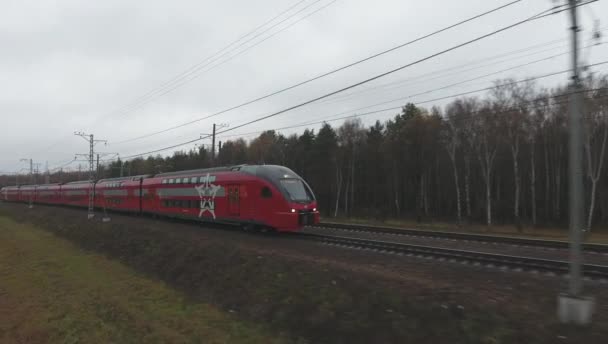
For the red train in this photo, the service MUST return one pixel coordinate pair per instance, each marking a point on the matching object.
(252, 196)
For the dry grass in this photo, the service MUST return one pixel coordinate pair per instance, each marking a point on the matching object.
(599, 236)
(52, 292)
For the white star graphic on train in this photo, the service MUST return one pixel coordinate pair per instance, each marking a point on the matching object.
(207, 193)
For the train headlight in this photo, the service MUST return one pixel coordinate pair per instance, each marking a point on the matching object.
(293, 210)
(314, 209)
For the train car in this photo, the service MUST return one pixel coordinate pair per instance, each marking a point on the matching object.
(254, 196)
(120, 194)
(49, 194)
(11, 193)
(27, 193)
(76, 193)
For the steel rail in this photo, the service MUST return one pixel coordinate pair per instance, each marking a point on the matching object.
(556, 244)
(502, 261)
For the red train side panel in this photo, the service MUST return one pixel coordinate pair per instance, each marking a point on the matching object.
(76, 193)
(27, 193)
(10, 193)
(49, 194)
(120, 194)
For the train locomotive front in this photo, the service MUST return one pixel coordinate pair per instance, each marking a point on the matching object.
(284, 201)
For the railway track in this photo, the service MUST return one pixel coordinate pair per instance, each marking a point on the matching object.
(553, 244)
(490, 260)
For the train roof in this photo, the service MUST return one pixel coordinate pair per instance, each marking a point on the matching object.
(48, 185)
(118, 179)
(79, 182)
(196, 171)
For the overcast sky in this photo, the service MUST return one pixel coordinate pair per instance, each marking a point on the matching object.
(70, 65)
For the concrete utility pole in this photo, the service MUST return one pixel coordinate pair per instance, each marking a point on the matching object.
(31, 201)
(91, 158)
(215, 127)
(213, 146)
(47, 174)
(572, 306)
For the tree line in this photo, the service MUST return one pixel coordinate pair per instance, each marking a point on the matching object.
(498, 158)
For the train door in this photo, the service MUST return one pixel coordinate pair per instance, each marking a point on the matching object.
(234, 200)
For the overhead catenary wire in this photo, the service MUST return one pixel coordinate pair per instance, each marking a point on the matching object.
(354, 85)
(187, 77)
(460, 45)
(482, 76)
(400, 99)
(188, 70)
(408, 81)
(377, 111)
(393, 108)
(458, 118)
(193, 67)
(333, 71)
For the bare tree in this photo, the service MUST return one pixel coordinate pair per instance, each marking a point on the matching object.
(452, 133)
(595, 139)
(510, 100)
(536, 123)
(484, 141)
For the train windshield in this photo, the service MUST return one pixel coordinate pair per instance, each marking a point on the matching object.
(297, 190)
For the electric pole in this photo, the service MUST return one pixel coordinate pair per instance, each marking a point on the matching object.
(573, 307)
(31, 201)
(91, 157)
(215, 127)
(47, 174)
(213, 146)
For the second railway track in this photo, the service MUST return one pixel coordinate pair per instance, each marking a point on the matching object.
(517, 241)
(475, 258)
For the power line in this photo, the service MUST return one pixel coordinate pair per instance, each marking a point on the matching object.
(482, 76)
(353, 85)
(189, 70)
(376, 111)
(399, 83)
(322, 75)
(193, 67)
(183, 79)
(387, 73)
(327, 118)
(361, 82)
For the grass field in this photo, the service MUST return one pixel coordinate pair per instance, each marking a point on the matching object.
(599, 236)
(53, 292)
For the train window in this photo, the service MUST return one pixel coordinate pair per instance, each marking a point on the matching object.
(185, 180)
(195, 205)
(186, 204)
(178, 180)
(193, 180)
(266, 193)
(178, 203)
(164, 181)
(171, 181)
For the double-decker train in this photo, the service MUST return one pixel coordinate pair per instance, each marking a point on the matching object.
(252, 196)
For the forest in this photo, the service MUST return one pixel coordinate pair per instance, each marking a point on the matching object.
(500, 158)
